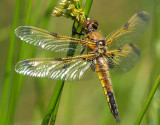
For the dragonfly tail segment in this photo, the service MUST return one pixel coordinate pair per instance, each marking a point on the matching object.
(103, 74)
(112, 105)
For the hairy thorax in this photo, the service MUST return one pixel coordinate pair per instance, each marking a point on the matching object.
(101, 47)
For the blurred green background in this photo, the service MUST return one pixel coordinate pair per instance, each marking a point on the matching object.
(82, 102)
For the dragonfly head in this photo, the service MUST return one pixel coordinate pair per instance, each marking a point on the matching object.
(89, 25)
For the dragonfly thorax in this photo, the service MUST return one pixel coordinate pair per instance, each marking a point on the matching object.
(101, 47)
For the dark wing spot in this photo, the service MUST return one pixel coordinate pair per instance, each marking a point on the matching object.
(142, 16)
(126, 25)
(59, 59)
(139, 12)
(112, 56)
(110, 61)
(54, 34)
(135, 49)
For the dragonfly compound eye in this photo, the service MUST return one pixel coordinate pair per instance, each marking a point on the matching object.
(90, 25)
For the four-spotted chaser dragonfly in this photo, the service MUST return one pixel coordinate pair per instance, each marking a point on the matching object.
(116, 52)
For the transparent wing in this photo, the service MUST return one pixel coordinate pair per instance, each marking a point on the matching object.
(55, 68)
(130, 32)
(48, 40)
(123, 59)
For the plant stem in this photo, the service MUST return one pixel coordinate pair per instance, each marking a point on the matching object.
(17, 82)
(53, 102)
(148, 100)
(9, 67)
(54, 114)
(87, 7)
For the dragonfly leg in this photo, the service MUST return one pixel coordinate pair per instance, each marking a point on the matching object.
(84, 47)
(74, 31)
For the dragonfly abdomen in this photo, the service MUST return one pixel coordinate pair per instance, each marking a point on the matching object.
(103, 74)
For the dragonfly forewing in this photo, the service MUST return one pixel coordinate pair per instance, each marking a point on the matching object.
(130, 32)
(49, 40)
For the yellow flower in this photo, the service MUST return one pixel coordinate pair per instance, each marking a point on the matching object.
(68, 9)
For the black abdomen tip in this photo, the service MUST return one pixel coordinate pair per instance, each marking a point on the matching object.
(113, 106)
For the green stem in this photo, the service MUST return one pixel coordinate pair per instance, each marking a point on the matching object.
(55, 97)
(29, 6)
(9, 67)
(54, 114)
(53, 102)
(87, 7)
(148, 101)
(17, 82)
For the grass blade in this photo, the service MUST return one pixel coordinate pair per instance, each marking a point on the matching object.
(53, 102)
(17, 83)
(9, 67)
(148, 101)
(54, 114)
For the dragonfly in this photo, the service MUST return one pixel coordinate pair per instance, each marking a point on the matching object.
(117, 52)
